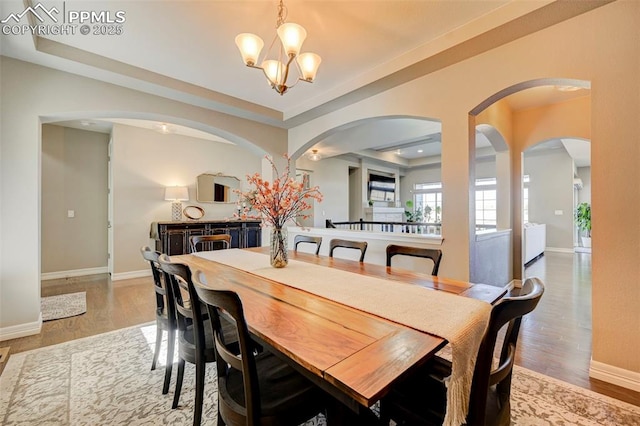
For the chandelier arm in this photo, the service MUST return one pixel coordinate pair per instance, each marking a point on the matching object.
(268, 51)
(286, 70)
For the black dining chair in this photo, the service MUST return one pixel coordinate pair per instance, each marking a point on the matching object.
(307, 239)
(209, 242)
(254, 388)
(195, 337)
(358, 245)
(165, 315)
(434, 254)
(421, 398)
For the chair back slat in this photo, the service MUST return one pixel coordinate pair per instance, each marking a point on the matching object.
(209, 242)
(164, 300)
(358, 245)
(434, 254)
(307, 239)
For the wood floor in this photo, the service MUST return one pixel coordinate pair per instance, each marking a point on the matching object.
(555, 339)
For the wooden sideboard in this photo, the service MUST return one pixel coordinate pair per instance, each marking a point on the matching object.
(172, 238)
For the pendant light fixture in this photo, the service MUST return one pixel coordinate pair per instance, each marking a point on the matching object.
(288, 40)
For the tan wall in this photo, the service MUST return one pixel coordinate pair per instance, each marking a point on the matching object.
(583, 48)
(74, 177)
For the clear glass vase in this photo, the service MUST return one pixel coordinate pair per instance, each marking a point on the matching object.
(278, 253)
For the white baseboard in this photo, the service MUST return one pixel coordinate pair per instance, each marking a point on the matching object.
(582, 249)
(21, 330)
(559, 250)
(615, 375)
(132, 274)
(514, 284)
(73, 273)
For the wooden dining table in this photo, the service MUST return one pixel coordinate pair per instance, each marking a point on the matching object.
(354, 355)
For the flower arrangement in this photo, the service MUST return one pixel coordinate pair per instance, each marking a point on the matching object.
(276, 203)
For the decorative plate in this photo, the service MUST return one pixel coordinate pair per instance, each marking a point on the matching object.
(193, 212)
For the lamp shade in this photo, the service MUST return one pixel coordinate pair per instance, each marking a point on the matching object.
(292, 36)
(176, 193)
(308, 63)
(250, 46)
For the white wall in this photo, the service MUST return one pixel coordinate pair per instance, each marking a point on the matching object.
(355, 194)
(74, 177)
(332, 176)
(584, 194)
(551, 191)
(144, 164)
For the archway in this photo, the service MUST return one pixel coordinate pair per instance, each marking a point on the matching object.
(153, 162)
(386, 147)
(527, 127)
(566, 111)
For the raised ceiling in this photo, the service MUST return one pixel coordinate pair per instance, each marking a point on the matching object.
(165, 44)
(185, 50)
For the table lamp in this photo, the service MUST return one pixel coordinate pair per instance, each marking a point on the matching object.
(176, 194)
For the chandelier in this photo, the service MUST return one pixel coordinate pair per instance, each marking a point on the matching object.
(277, 70)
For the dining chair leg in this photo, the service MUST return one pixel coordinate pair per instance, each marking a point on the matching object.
(156, 351)
(176, 395)
(200, 370)
(169, 367)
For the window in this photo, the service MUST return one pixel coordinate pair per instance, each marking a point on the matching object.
(427, 198)
(486, 209)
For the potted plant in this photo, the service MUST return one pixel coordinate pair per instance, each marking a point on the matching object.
(411, 214)
(583, 221)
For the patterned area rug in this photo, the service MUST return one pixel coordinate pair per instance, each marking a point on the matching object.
(106, 380)
(63, 306)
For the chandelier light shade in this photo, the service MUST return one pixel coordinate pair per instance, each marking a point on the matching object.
(250, 46)
(288, 42)
(292, 36)
(308, 63)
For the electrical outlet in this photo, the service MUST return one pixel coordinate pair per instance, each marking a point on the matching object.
(71, 213)
(559, 212)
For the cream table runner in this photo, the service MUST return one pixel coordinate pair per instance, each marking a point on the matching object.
(460, 320)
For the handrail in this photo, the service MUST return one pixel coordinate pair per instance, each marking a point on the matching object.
(401, 227)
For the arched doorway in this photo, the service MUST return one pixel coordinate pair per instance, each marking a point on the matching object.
(141, 161)
(530, 113)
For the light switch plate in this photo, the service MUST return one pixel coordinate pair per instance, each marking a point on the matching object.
(71, 213)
